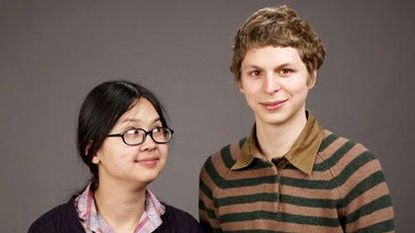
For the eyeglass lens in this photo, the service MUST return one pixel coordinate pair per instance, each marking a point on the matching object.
(136, 136)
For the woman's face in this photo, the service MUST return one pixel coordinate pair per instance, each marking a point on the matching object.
(141, 164)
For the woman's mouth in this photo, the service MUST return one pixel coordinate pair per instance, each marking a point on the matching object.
(148, 162)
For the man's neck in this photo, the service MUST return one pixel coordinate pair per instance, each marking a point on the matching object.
(276, 140)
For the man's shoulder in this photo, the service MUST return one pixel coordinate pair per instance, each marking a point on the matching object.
(332, 142)
(337, 150)
(226, 156)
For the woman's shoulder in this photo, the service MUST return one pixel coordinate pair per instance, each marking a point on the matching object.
(172, 211)
(177, 220)
(62, 218)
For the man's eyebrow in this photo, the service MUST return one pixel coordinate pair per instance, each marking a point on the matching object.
(250, 66)
(285, 64)
(253, 66)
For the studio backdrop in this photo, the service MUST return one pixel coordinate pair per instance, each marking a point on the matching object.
(53, 52)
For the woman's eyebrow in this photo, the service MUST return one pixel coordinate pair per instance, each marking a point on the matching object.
(138, 120)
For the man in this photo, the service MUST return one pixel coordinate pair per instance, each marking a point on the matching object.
(289, 174)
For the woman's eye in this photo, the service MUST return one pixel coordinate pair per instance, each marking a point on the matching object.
(132, 132)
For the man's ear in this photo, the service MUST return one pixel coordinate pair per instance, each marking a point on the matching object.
(238, 84)
(312, 79)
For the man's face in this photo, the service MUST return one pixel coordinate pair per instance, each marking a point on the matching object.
(275, 82)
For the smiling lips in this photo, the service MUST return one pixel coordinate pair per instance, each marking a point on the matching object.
(274, 105)
(149, 162)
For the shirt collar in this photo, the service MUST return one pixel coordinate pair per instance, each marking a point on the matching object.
(93, 222)
(302, 154)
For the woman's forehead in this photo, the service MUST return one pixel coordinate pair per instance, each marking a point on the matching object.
(142, 112)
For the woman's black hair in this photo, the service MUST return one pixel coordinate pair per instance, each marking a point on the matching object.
(100, 111)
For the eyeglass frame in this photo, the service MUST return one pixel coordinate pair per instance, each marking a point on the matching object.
(150, 132)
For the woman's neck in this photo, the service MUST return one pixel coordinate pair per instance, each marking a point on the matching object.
(276, 140)
(121, 207)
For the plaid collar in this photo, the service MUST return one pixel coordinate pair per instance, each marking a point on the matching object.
(94, 223)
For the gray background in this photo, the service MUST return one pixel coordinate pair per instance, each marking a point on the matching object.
(53, 52)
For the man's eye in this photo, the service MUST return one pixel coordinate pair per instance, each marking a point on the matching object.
(286, 71)
(254, 73)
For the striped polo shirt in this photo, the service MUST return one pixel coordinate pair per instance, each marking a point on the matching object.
(325, 183)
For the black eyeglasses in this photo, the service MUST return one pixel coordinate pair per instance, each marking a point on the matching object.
(137, 136)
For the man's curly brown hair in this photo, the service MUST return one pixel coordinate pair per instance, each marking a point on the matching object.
(277, 27)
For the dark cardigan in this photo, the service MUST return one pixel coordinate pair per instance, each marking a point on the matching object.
(64, 219)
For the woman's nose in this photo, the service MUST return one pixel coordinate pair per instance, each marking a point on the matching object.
(148, 144)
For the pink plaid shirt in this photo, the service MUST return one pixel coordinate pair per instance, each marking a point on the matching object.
(94, 223)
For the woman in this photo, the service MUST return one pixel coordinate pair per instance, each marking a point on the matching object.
(122, 137)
